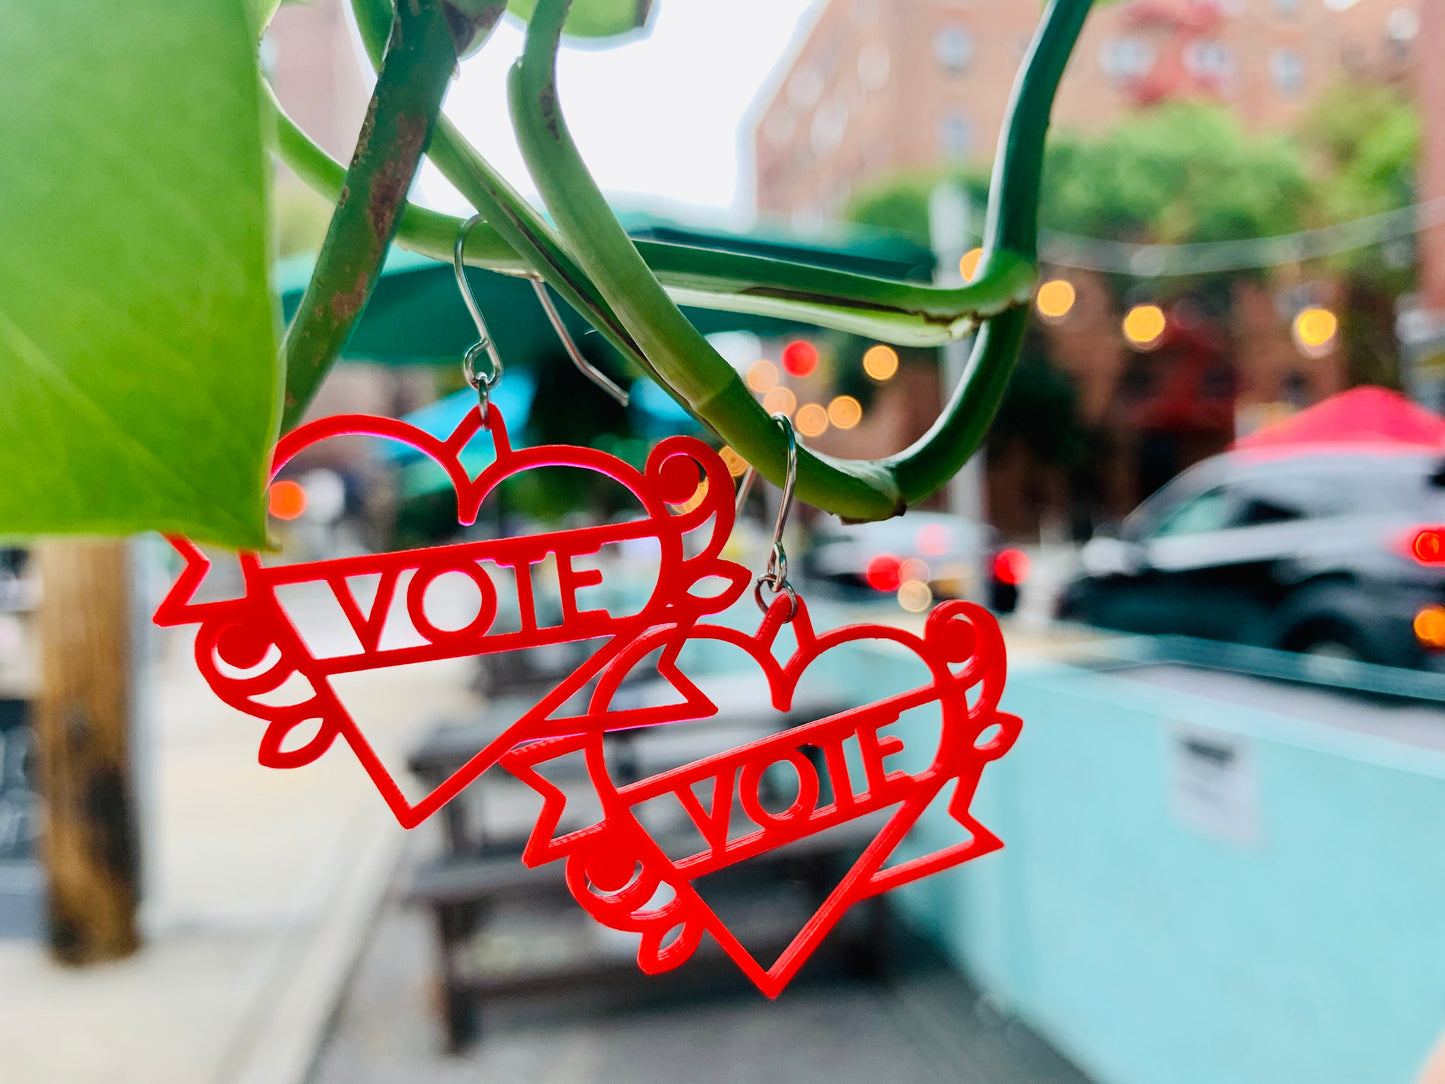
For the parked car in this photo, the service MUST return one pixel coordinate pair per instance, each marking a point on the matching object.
(1338, 553)
(954, 557)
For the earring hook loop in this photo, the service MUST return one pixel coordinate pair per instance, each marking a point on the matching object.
(482, 382)
(775, 574)
(585, 367)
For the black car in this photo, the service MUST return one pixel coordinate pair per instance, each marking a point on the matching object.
(1324, 552)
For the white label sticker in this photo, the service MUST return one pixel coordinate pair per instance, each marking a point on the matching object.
(1214, 784)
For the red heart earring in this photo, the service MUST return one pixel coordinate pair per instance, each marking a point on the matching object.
(248, 648)
(843, 765)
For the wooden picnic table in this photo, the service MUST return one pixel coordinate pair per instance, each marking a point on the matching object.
(479, 876)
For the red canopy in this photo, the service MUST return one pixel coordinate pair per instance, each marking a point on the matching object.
(1366, 415)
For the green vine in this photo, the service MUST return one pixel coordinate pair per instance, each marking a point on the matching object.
(425, 38)
(630, 290)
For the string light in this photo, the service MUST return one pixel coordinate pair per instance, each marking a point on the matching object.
(845, 412)
(780, 400)
(1055, 298)
(800, 358)
(762, 375)
(812, 420)
(1315, 330)
(1158, 261)
(737, 466)
(968, 265)
(880, 362)
(286, 499)
(1143, 325)
(914, 596)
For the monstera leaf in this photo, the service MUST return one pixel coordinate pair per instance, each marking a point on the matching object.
(594, 18)
(138, 367)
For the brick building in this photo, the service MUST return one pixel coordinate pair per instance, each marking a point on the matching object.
(874, 87)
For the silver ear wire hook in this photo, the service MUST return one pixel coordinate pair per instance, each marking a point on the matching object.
(775, 575)
(482, 382)
(587, 369)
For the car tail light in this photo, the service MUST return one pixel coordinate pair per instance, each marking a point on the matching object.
(1429, 626)
(884, 572)
(1011, 567)
(1427, 545)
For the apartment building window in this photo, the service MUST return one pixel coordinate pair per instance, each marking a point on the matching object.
(829, 125)
(953, 48)
(1126, 58)
(1287, 71)
(955, 135)
(805, 87)
(874, 64)
(1211, 60)
(1402, 26)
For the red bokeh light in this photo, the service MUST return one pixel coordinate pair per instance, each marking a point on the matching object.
(287, 499)
(1428, 546)
(933, 540)
(800, 358)
(1011, 567)
(883, 572)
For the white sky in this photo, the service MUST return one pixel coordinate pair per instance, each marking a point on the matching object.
(660, 121)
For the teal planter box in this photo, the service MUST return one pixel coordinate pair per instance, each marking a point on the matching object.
(1198, 892)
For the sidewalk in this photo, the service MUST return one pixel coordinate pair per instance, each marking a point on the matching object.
(260, 887)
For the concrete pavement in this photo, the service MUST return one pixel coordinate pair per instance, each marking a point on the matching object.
(260, 887)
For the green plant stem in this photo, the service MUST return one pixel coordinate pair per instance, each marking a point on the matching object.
(510, 220)
(420, 229)
(904, 313)
(710, 387)
(421, 54)
(1011, 229)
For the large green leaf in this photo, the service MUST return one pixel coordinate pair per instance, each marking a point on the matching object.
(138, 371)
(594, 18)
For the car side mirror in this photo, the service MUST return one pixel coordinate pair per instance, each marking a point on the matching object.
(1104, 556)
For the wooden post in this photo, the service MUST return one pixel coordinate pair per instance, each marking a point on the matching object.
(82, 722)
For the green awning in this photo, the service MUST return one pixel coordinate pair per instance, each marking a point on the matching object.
(416, 315)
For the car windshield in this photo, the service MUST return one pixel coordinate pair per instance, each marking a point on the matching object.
(1207, 512)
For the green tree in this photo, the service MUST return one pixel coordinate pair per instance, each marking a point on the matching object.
(1365, 139)
(1173, 175)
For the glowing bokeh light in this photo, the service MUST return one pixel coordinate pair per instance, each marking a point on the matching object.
(1429, 626)
(812, 420)
(737, 466)
(1428, 545)
(780, 400)
(933, 539)
(286, 500)
(968, 265)
(1055, 298)
(1011, 567)
(762, 375)
(1143, 325)
(844, 412)
(880, 362)
(800, 358)
(915, 569)
(1316, 329)
(882, 573)
(914, 596)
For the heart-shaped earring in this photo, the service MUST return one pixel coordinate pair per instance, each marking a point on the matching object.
(846, 773)
(400, 607)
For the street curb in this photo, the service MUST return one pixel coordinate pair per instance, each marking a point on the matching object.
(294, 1010)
